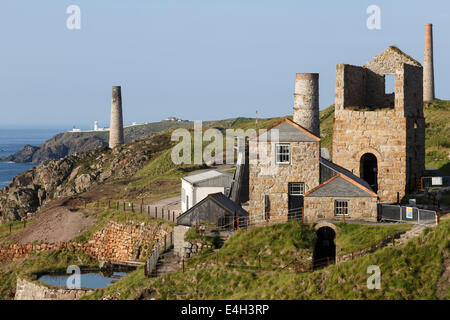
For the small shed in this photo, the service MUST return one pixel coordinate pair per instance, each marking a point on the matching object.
(216, 208)
(196, 187)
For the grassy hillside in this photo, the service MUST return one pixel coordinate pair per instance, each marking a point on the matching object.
(280, 244)
(437, 137)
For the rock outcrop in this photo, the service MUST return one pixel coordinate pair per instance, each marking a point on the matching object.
(74, 174)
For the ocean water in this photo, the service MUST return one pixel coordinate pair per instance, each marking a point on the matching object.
(13, 140)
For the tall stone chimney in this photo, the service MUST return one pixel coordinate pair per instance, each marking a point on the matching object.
(428, 68)
(116, 123)
(306, 101)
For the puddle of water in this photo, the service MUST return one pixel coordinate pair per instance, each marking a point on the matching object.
(91, 280)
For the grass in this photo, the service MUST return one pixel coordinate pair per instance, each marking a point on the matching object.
(43, 261)
(437, 135)
(16, 226)
(104, 216)
(410, 271)
(355, 237)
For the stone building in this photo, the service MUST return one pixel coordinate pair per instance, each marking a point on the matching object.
(343, 196)
(287, 166)
(379, 135)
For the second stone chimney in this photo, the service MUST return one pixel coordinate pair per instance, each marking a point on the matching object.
(306, 101)
(428, 68)
(116, 123)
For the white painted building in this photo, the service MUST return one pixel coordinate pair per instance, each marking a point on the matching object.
(196, 187)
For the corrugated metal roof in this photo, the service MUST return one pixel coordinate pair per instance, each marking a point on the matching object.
(197, 178)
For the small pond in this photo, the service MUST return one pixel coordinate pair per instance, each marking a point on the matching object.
(91, 280)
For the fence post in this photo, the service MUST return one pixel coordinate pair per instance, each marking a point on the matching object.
(10, 227)
(259, 263)
(156, 212)
(132, 207)
(148, 210)
(109, 204)
(24, 223)
(141, 208)
(182, 262)
(124, 208)
(85, 204)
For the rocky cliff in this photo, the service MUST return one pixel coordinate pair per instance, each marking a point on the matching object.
(75, 174)
(68, 143)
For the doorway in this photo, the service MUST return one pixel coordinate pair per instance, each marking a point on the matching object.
(369, 170)
(295, 200)
(325, 248)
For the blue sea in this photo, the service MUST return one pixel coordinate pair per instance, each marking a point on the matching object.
(13, 140)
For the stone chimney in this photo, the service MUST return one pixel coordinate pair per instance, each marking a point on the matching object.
(306, 101)
(116, 124)
(428, 68)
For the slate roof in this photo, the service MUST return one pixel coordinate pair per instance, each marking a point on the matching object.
(343, 184)
(349, 174)
(288, 131)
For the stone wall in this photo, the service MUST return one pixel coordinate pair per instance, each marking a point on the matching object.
(178, 239)
(396, 136)
(118, 242)
(13, 252)
(27, 290)
(319, 208)
(115, 242)
(266, 178)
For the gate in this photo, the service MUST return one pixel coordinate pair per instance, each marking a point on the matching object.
(387, 212)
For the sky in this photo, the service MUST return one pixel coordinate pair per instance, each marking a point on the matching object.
(193, 59)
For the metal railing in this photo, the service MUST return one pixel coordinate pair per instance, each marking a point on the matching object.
(432, 182)
(161, 246)
(406, 214)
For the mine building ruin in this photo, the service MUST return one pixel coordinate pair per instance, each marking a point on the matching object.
(380, 136)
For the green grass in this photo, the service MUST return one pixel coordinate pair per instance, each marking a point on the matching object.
(104, 216)
(355, 237)
(16, 226)
(437, 135)
(44, 261)
(411, 271)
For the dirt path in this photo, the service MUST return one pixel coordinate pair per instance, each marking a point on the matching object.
(443, 285)
(55, 225)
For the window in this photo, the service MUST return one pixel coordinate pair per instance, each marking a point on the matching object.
(296, 188)
(340, 207)
(389, 83)
(282, 153)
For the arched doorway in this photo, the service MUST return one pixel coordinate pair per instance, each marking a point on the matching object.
(369, 170)
(325, 248)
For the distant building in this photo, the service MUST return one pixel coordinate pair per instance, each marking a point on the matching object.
(175, 119)
(196, 187)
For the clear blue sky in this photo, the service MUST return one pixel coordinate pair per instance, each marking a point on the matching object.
(197, 60)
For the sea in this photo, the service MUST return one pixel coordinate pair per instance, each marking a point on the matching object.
(13, 140)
